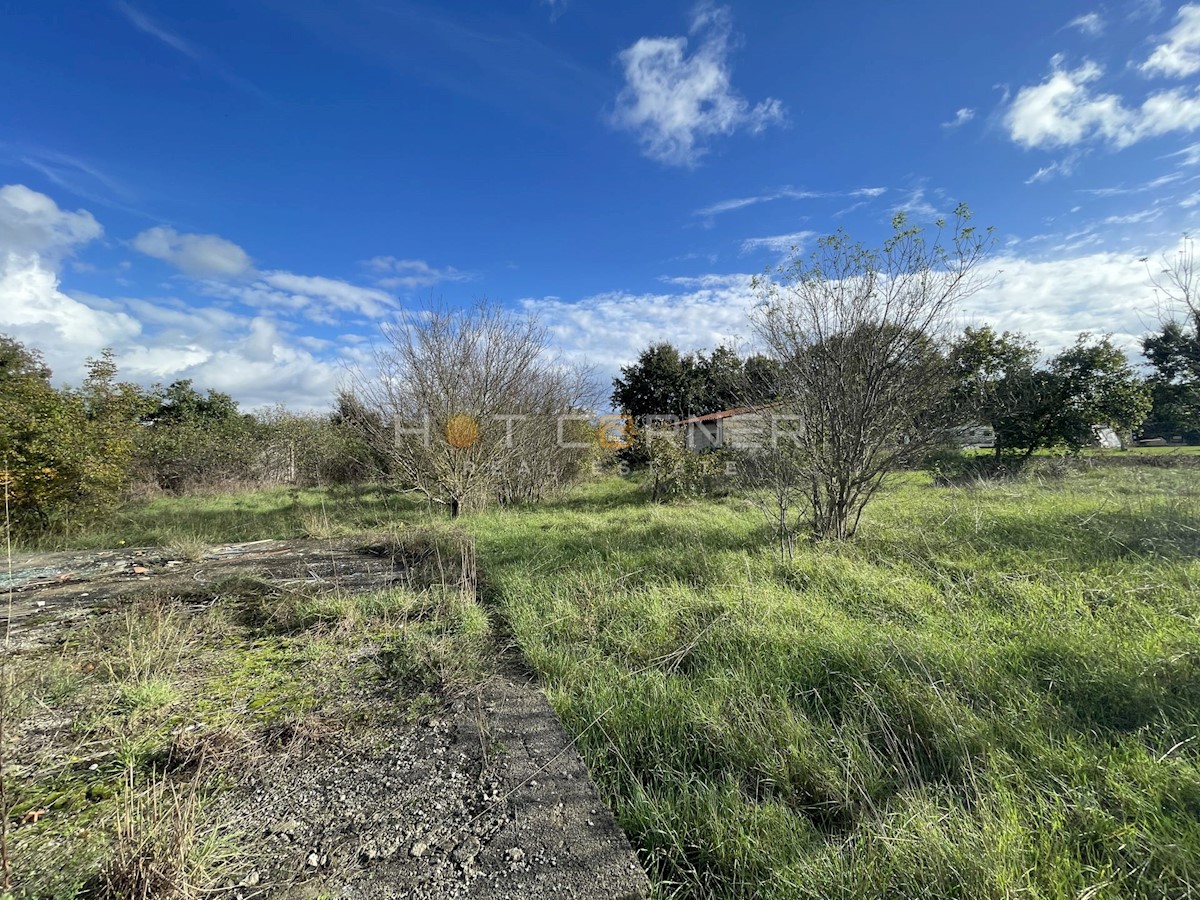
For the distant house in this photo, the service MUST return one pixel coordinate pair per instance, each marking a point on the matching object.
(741, 428)
(975, 437)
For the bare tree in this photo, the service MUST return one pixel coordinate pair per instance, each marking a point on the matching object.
(858, 333)
(480, 409)
(1177, 284)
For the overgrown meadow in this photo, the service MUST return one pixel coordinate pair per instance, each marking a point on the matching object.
(994, 691)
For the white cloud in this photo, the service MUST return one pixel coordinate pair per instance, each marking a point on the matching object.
(412, 273)
(779, 243)
(1064, 166)
(253, 357)
(1190, 155)
(248, 356)
(1064, 111)
(144, 24)
(1091, 24)
(1054, 300)
(66, 330)
(1190, 201)
(1136, 218)
(199, 255)
(305, 291)
(32, 224)
(1050, 300)
(783, 193)
(915, 204)
(962, 117)
(1122, 190)
(608, 330)
(675, 102)
(1179, 54)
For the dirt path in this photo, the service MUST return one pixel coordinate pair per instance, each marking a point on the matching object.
(482, 797)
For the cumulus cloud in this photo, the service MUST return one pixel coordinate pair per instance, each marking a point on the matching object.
(962, 117)
(255, 357)
(200, 255)
(32, 224)
(1179, 54)
(608, 330)
(411, 274)
(1065, 111)
(224, 270)
(1054, 300)
(675, 101)
(1050, 300)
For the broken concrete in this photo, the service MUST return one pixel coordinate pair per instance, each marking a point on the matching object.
(487, 798)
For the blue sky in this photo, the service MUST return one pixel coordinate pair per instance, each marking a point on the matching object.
(241, 192)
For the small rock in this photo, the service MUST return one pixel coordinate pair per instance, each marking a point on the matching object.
(514, 854)
(289, 828)
(250, 880)
(419, 849)
(466, 851)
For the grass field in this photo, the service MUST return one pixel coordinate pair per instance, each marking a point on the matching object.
(993, 692)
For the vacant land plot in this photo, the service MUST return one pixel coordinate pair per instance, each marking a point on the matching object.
(993, 692)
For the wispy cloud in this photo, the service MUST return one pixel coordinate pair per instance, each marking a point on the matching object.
(410, 274)
(783, 193)
(962, 117)
(1091, 24)
(779, 243)
(675, 102)
(1189, 156)
(80, 177)
(1120, 190)
(1064, 167)
(146, 25)
(915, 204)
(1136, 218)
(557, 7)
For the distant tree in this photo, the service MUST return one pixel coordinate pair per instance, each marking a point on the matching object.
(1174, 351)
(1032, 407)
(665, 382)
(661, 383)
(722, 380)
(994, 380)
(1090, 383)
(856, 332)
(195, 439)
(179, 403)
(65, 454)
(761, 380)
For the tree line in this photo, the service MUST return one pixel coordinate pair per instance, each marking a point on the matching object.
(69, 455)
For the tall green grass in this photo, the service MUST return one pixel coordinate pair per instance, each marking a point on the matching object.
(994, 692)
